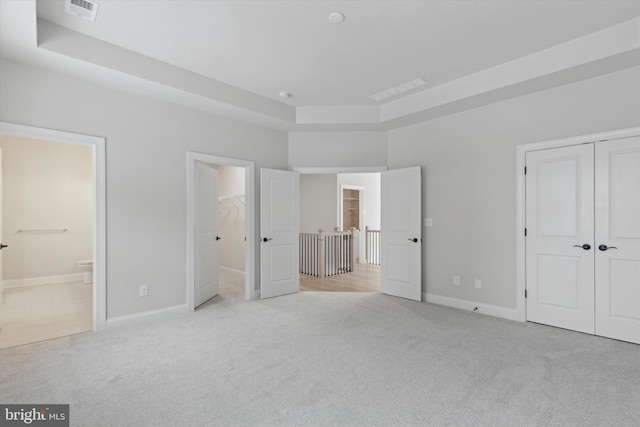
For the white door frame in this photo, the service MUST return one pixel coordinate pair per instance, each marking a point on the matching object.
(250, 225)
(99, 204)
(521, 151)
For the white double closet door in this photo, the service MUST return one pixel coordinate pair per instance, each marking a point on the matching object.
(583, 238)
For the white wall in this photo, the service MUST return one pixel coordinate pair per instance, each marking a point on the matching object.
(46, 185)
(371, 184)
(318, 202)
(146, 145)
(318, 149)
(231, 219)
(469, 162)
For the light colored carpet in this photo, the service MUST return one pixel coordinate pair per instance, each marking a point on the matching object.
(330, 359)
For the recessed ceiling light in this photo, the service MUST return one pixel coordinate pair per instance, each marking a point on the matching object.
(397, 90)
(285, 95)
(336, 18)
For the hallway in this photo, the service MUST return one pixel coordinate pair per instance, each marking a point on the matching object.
(364, 278)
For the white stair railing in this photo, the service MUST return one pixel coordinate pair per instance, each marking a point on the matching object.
(372, 247)
(326, 253)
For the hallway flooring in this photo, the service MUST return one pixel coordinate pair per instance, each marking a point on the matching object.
(364, 278)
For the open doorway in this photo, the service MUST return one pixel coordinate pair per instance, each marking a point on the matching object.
(220, 228)
(52, 222)
(339, 214)
(231, 230)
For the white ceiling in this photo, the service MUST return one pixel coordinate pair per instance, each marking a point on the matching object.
(251, 50)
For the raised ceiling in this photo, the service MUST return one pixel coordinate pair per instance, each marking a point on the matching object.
(241, 54)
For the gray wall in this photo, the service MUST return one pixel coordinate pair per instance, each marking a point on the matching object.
(469, 162)
(318, 202)
(146, 143)
(318, 149)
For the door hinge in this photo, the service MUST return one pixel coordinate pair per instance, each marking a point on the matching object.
(525, 232)
(525, 170)
(525, 293)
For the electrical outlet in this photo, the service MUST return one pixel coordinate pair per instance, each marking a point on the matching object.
(478, 283)
(456, 280)
(144, 290)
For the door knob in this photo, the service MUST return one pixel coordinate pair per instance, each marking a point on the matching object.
(605, 247)
(414, 240)
(2, 245)
(586, 246)
(218, 238)
(265, 239)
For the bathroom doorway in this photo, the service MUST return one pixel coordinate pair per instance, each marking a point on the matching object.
(220, 229)
(52, 188)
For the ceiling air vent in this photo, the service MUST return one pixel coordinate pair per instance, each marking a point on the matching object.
(85, 9)
(413, 84)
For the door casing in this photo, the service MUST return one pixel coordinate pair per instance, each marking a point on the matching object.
(521, 151)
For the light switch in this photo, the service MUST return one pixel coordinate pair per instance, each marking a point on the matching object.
(428, 222)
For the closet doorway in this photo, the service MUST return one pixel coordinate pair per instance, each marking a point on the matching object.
(220, 228)
(582, 244)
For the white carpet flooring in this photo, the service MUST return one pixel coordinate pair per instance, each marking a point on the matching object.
(330, 359)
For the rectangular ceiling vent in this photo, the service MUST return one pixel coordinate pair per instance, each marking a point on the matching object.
(85, 9)
(397, 90)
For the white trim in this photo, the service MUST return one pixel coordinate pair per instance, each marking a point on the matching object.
(338, 169)
(160, 313)
(99, 208)
(491, 310)
(43, 280)
(250, 222)
(521, 152)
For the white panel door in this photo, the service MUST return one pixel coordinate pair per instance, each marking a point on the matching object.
(279, 229)
(206, 233)
(560, 237)
(401, 234)
(618, 239)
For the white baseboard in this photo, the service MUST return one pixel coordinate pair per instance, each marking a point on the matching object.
(148, 315)
(491, 310)
(44, 280)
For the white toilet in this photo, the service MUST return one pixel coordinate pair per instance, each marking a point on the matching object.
(87, 267)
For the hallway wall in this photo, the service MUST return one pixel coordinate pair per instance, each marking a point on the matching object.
(318, 202)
